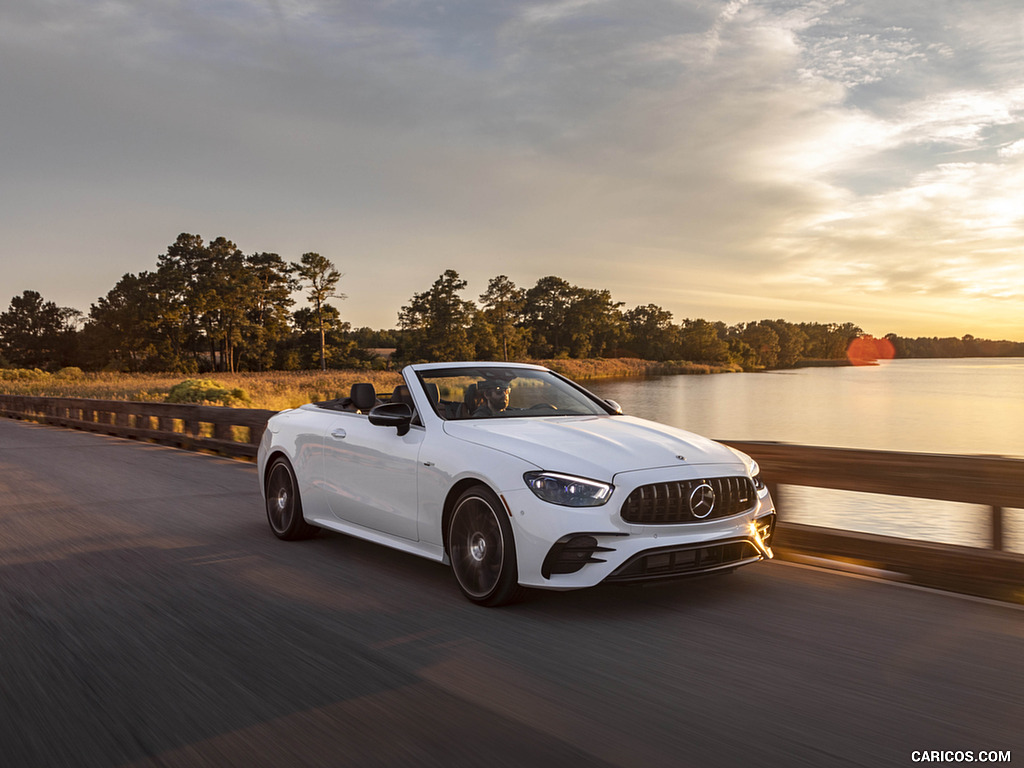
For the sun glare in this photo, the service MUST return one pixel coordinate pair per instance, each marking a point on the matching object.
(867, 350)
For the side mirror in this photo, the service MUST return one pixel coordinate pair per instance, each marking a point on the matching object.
(614, 406)
(392, 415)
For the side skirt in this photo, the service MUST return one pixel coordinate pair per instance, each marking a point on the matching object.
(422, 549)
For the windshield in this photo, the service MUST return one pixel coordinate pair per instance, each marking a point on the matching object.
(468, 392)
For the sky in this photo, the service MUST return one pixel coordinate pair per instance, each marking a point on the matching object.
(821, 161)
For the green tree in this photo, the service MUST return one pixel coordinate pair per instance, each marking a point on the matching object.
(221, 307)
(35, 333)
(828, 341)
(268, 313)
(124, 329)
(181, 298)
(503, 305)
(900, 345)
(225, 289)
(594, 323)
(792, 342)
(764, 342)
(436, 322)
(650, 333)
(320, 339)
(566, 320)
(704, 342)
(209, 306)
(368, 338)
(323, 279)
(547, 311)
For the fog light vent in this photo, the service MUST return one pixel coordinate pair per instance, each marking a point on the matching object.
(765, 528)
(570, 553)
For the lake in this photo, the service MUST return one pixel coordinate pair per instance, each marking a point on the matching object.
(964, 406)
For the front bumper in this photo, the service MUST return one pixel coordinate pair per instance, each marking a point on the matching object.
(692, 559)
(561, 548)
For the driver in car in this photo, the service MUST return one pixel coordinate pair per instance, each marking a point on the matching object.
(495, 398)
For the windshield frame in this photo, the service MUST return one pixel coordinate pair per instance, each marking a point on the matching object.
(448, 410)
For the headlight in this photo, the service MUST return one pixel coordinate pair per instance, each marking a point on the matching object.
(566, 490)
(755, 475)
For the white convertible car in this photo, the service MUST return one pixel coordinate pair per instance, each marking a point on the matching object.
(516, 477)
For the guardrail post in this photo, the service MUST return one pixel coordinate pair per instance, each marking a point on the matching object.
(997, 528)
(222, 431)
(773, 489)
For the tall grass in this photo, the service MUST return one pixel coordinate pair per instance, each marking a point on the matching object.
(596, 368)
(277, 390)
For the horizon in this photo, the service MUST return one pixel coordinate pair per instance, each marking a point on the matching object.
(820, 162)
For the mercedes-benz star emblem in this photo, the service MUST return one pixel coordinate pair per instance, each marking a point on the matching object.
(702, 501)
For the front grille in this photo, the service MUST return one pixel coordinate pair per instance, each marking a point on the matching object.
(670, 503)
(685, 561)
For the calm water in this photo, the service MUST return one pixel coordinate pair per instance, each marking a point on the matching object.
(973, 406)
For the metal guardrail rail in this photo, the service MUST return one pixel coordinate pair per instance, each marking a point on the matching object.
(991, 481)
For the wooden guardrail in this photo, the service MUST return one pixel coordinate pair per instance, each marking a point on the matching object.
(230, 431)
(991, 481)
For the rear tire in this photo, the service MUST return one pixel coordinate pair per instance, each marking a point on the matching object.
(284, 507)
(482, 549)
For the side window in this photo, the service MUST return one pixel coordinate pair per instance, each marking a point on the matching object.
(453, 397)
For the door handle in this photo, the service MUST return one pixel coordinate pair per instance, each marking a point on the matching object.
(339, 433)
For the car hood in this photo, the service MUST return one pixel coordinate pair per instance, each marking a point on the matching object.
(597, 447)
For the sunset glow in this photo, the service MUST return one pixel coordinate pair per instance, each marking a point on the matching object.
(815, 161)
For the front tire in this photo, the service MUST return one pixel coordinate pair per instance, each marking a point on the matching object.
(284, 507)
(482, 549)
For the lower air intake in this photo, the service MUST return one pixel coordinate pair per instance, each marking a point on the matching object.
(684, 561)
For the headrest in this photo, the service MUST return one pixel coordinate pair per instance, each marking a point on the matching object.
(401, 395)
(363, 396)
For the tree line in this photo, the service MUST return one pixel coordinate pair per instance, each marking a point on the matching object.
(556, 319)
(965, 346)
(210, 307)
(205, 307)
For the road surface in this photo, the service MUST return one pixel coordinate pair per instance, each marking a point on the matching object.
(149, 618)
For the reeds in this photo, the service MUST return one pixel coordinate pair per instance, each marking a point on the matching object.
(277, 390)
(273, 390)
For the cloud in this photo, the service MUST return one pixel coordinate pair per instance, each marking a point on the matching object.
(817, 149)
(546, 13)
(1015, 149)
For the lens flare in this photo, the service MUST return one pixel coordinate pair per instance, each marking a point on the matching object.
(867, 350)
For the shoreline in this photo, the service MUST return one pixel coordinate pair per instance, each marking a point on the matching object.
(626, 367)
(276, 390)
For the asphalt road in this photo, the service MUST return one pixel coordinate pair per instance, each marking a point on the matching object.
(149, 618)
